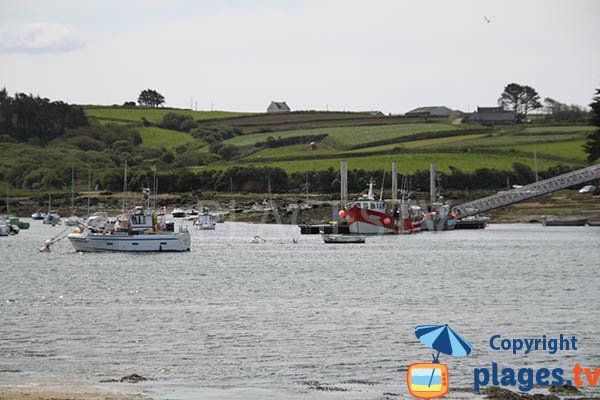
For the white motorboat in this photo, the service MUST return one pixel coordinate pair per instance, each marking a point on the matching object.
(178, 213)
(343, 239)
(138, 231)
(38, 216)
(206, 222)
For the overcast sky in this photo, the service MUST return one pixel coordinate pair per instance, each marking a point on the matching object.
(353, 55)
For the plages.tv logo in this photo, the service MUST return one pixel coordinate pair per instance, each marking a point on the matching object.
(429, 380)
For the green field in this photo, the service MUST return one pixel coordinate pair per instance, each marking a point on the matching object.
(345, 137)
(560, 129)
(158, 137)
(571, 149)
(116, 114)
(407, 162)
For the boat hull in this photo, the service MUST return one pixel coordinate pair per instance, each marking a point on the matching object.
(86, 242)
(371, 222)
(343, 239)
(565, 222)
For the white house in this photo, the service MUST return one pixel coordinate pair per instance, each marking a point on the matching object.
(278, 107)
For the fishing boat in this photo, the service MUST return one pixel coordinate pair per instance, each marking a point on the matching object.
(136, 231)
(178, 213)
(343, 239)
(369, 216)
(440, 218)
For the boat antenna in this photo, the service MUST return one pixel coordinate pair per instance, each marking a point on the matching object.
(382, 183)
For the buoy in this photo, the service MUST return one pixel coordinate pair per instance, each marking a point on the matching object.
(387, 220)
(342, 214)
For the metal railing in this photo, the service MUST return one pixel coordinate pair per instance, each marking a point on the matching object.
(526, 192)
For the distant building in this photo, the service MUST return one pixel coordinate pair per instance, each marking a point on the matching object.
(492, 116)
(432, 111)
(278, 107)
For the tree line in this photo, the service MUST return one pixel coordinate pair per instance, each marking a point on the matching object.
(25, 117)
(253, 179)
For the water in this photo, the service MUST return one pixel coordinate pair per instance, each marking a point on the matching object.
(232, 319)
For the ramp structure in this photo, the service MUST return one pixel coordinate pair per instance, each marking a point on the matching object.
(527, 192)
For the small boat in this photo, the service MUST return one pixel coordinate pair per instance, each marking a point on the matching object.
(18, 223)
(73, 220)
(472, 222)
(178, 213)
(564, 221)
(191, 212)
(38, 216)
(206, 222)
(4, 228)
(52, 218)
(343, 239)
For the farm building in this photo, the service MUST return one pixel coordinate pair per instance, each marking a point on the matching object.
(432, 111)
(278, 107)
(492, 116)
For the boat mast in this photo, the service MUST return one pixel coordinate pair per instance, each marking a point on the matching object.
(382, 183)
(89, 189)
(432, 183)
(125, 186)
(154, 189)
(72, 189)
(306, 187)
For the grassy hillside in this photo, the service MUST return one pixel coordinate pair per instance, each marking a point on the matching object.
(346, 137)
(157, 137)
(407, 162)
(124, 115)
(220, 140)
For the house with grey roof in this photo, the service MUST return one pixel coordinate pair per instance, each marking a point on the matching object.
(278, 107)
(493, 116)
(432, 111)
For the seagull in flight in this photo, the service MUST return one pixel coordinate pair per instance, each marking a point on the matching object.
(486, 19)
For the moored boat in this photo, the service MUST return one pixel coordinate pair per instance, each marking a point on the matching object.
(205, 221)
(369, 216)
(38, 216)
(18, 223)
(564, 221)
(178, 213)
(343, 239)
(138, 231)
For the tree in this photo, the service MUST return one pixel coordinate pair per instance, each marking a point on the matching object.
(150, 98)
(592, 146)
(560, 112)
(519, 98)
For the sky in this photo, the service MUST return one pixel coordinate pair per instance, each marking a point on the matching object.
(348, 55)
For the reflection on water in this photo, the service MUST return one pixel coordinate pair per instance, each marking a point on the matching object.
(276, 315)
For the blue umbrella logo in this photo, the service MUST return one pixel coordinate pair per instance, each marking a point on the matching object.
(443, 339)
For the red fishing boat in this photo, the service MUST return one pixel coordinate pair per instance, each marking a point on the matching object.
(369, 216)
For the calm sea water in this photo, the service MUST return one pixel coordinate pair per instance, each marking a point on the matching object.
(231, 319)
